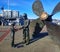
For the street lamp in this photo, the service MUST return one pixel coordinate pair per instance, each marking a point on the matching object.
(2, 8)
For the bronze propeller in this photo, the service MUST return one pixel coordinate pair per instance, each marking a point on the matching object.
(53, 29)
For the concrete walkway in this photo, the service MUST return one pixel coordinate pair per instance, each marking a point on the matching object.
(45, 44)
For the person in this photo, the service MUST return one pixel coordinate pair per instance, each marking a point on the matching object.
(21, 20)
(26, 36)
(12, 33)
(0, 22)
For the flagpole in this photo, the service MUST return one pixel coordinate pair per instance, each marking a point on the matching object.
(8, 4)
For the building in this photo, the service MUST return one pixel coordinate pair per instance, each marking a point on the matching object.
(10, 16)
(10, 13)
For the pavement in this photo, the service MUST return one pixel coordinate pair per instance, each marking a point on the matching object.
(3, 33)
(37, 44)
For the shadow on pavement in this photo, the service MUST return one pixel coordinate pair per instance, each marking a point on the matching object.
(19, 45)
(37, 37)
(36, 34)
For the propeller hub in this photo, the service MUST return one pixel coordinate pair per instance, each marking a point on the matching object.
(44, 16)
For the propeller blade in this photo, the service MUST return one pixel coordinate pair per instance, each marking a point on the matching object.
(37, 7)
(56, 9)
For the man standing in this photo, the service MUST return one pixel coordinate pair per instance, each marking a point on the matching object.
(12, 34)
(26, 37)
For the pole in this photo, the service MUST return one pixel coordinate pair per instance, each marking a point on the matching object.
(8, 4)
(8, 9)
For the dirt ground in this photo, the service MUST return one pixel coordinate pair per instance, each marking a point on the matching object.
(45, 44)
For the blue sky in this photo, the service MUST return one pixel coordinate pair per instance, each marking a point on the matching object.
(25, 6)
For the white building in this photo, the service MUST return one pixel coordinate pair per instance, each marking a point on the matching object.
(11, 16)
(10, 13)
(15, 14)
